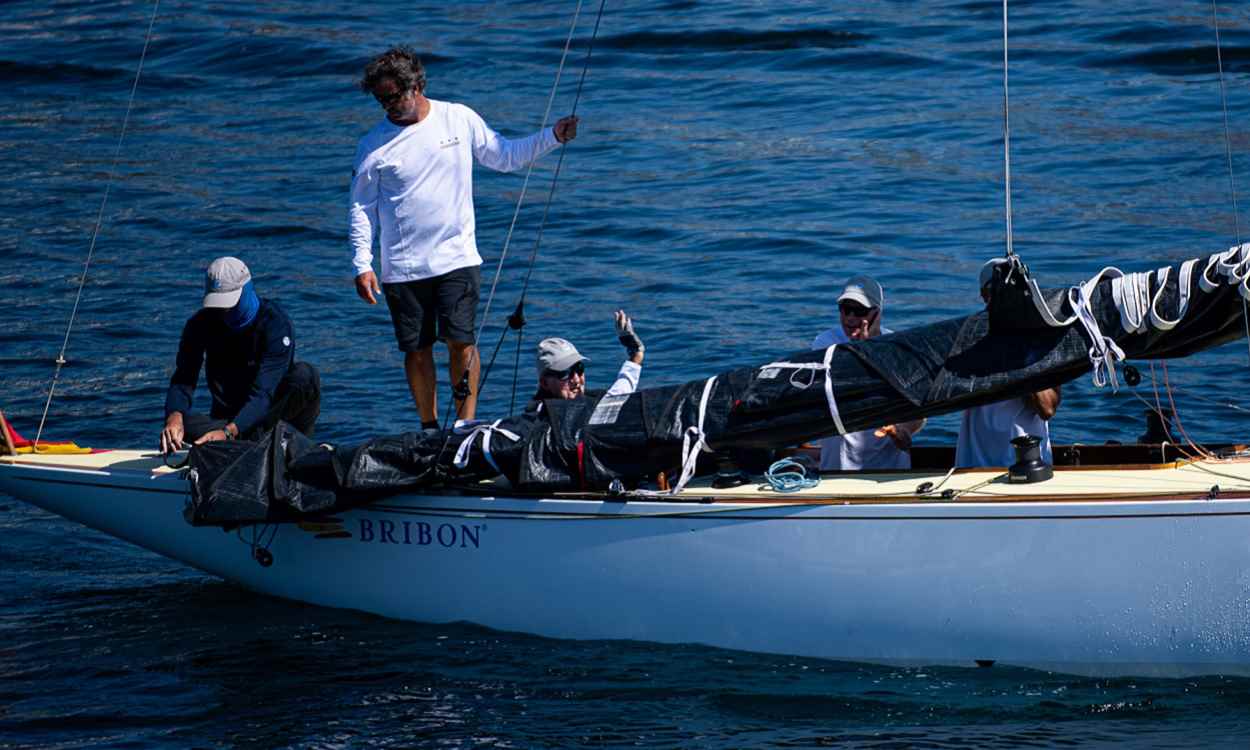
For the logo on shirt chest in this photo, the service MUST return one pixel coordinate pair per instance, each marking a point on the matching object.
(449, 142)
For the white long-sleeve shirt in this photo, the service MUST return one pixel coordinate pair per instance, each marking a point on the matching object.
(626, 379)
(412, 186)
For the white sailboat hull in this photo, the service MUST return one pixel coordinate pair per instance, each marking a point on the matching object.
(1150, 585)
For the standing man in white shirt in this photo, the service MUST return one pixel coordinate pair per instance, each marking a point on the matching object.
(412, 187)
(986, 432)
(859, 310)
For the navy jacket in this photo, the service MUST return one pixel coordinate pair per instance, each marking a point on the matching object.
(243, 368)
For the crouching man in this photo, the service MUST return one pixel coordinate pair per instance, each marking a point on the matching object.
(246, 346)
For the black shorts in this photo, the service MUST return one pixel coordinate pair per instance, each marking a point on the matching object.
(450, 301)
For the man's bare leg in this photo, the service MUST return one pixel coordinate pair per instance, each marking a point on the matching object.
(463, 356)
(419, 368)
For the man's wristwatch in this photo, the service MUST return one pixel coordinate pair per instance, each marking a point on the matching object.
(230, 434)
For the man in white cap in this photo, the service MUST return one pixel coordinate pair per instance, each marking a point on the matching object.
(859, 318)
(859, 310)
(986, 432)
(562, 370)
(246, 346)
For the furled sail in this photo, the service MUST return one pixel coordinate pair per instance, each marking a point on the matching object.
(1026, 340)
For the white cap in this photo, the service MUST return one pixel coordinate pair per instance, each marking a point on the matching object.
(556, 354)
(865, 290)
(987, 270)
(224, 281)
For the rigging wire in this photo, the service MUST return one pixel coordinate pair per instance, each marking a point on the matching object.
(546, 210)
(475, 357)
(1228, 152)
(577, 97)
(82, 281)
(1202, 453)
(555, 177)
(1006, 135)
(555, 85)
(1228, 142)
(516, 368)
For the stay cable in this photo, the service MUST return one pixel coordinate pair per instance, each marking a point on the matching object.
(95, 234)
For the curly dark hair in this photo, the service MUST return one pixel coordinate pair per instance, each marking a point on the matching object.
(400, 63)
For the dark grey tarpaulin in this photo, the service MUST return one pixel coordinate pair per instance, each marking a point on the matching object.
(1027, 340)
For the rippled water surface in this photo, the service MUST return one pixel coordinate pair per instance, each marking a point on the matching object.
(736, 163)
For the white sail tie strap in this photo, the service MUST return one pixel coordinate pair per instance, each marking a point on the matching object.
(1103, 351)
(1039, 303)
(769, 371)
(1233, 264)
(694, 441)
(1240, 272)
(485, 430)
(1182, 284)
(833, 404)
(1206, 282)
(1131, 294)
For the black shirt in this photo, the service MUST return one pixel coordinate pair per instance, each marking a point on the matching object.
(243, 368)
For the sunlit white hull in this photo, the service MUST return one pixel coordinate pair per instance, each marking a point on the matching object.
(1106, 572)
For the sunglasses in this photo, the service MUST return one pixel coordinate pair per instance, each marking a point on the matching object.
(577, 369)
(850, 308)
(387, 100)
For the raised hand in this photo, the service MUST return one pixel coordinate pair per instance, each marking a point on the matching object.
(625, 333)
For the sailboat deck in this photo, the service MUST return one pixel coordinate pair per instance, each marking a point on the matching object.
(1174, 480)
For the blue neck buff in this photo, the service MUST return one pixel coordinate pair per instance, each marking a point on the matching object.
(244, 311)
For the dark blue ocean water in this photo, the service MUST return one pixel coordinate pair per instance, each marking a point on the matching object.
(736, 163)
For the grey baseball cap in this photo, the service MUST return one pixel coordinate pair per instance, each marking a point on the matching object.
(865, 290)
(224, 281)
(556, 354)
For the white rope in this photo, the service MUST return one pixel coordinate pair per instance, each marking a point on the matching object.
(108, 185)
(694, 441)
(1006, 134)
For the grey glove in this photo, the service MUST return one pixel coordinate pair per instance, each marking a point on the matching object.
(625, 332)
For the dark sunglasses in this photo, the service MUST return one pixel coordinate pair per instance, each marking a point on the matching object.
(850, 308)
(391, 98)
(577, 369)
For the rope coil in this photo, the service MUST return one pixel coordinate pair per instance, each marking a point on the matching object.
(788, 475)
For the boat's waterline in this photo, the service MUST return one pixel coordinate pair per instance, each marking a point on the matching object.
(1062, 574)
